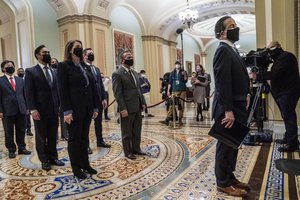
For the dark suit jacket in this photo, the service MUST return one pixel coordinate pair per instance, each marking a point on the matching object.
(128, 95)
(40, 95)
(11, 102)
(75, 94)
(231, 81)
(99, 88)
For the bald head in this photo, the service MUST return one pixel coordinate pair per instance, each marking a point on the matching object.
(274, 44)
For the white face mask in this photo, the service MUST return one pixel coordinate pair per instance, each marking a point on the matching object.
(177, 66)
(143, 75)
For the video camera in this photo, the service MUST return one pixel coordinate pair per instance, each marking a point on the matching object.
(258, 60)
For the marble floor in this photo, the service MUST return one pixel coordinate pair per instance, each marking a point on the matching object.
(180, 166)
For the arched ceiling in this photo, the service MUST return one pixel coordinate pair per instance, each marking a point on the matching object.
(160, 17)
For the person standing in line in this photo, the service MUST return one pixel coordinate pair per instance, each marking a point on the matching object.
(21, 73)
(88, 57)
(232, 86)
(77, 93)
(128, 94)
(206, 104)
(13, 109)
(106, 81)
(199, 82)
(43, 102)
(146, 87)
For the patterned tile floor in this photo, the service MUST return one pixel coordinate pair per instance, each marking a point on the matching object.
(180, 166)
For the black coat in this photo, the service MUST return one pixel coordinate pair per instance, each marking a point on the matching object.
(231, 82)
(75, 95)
(285, 75)
(40, 95)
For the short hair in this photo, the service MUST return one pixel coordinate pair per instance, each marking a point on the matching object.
(219, 27)
(177, 62)
(86, 49)
(55, 59)
(68, 48)
(20, 68)
(38, 49)
(143, 71)
(122, 53)
(5, 62)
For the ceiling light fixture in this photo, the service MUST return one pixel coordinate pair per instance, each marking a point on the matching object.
(188, 16)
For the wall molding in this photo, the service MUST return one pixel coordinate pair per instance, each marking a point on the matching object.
(82, 19)
(154, 38)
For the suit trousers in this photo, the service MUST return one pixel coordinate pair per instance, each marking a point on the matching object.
(10, 123)
(225, 162)
(78, 143)
(106, 109)
(27, 122)
(131, 132)
(98, 126)
(46, 137)
(287, 105)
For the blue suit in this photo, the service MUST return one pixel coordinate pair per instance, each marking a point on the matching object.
(13, 107)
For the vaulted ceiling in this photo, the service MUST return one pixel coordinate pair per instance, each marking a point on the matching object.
(160, 17)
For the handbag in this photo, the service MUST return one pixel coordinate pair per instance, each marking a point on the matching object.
(233, 136)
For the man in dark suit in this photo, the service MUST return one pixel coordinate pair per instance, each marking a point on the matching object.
(21, 74)
(88, 56)
(230, 102)
(42, 99)
(128, 94)
(207, 93)
(13, 109)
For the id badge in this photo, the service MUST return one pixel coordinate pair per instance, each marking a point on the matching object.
(177, 82)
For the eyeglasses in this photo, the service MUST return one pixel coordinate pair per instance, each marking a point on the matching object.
(45, 52)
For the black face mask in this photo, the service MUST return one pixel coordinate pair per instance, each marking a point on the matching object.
(46, 58)
(54, 66)
(233, 34)
(91, 57)
(129, 62)
(10, 70)
(21, 75)
(274, 53)
(78, 52)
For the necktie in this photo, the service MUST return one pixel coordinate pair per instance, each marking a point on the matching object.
(132, 77)
(13, 85)
(94, 72)
(48, 77)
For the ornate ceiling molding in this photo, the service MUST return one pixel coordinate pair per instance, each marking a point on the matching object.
(158, 39)
(81, 19)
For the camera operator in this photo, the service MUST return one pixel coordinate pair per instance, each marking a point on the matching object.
(285, 85)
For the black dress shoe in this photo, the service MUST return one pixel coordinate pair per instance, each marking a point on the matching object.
(165, 122)
(11, 154)
(56, 162)
(90, 170)
(140, 153)
(29, 134)
(130, 156)
(288, 148)
(90, 150)
(107, 118)
(24, 151)
(79, 174)
(46, 166)
(103, 144)
(150, 115)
